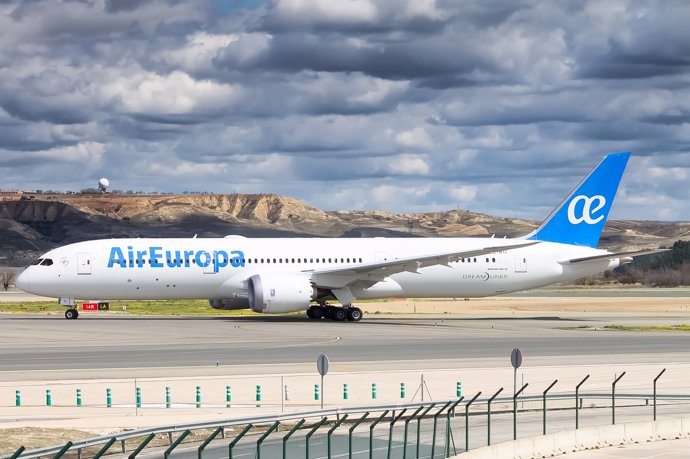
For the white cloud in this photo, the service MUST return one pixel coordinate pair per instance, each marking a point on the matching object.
(408, 164)
(415, 138)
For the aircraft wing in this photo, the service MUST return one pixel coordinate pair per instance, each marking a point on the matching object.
(610, 256)
(371, 273)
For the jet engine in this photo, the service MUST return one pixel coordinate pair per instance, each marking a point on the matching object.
(274, 293)
(228, 304)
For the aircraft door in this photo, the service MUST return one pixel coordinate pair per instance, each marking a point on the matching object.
(84, 263)
(520, 264)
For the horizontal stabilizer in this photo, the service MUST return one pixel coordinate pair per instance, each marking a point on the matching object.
(611, 256)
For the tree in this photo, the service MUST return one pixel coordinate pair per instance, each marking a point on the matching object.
(7, 276)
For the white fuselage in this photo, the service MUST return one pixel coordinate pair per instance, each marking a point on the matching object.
(173, 268)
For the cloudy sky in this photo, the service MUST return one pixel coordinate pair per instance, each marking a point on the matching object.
(403, 105)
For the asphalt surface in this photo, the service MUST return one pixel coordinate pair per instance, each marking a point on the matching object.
(94, 342)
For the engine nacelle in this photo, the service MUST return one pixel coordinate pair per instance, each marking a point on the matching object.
(273, 293)
(229, 304)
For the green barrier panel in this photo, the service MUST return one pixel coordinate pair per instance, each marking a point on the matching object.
(264, 437)
(258, 396)
(105, 448)
(108, 398)
(176, 443)
(143, 444)
(167, 397)
(354, 426)
(331, 430)
(17, 398)
(198, 396)
(311, 432)
(390, 431)
(237, 439)
(78, 397)
(316, 391)
(407, 422)
(402, 390)
(345, 396)
(373, 391)
(209, 440)
(49, 398)
(18, 453)
(458, 389)
(138, 392)
(228, 397)
(289, 434)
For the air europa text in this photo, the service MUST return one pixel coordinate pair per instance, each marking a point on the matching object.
(157, 257)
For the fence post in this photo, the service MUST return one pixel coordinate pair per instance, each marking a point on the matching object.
(467, 420)
(209, 440)
(18, 453)
(17, 398)
(176, 443)
(488, 416)
(143, 444)
(238, 438)
(311, 432)
(371, 433)
(49, 398)
(228, 397)
(515, 410)
(352, 428)
(264, 437)
(448, 429)
(289, 434)
(78, 397)
(390, 431)
(62, 451)
(331, 430)
(433, 438)
(544, 399)
(419, 425)
(167, 397)
(613, 398)
(407, 422)
(655, 380)
(577, 402)
(198, 396)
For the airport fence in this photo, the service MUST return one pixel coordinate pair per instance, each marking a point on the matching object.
(436, 429)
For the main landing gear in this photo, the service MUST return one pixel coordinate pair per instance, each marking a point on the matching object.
(71, 313)
(336, 313)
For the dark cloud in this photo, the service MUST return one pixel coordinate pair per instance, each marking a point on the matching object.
(406, 105)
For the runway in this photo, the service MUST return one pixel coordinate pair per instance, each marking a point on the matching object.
(107, 342)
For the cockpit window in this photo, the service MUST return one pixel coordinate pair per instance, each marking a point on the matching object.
(47, 262)
(37, 262)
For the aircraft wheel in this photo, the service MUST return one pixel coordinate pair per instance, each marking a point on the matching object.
(71, 314)
(315, 312)
(339, 314)
(354, 314)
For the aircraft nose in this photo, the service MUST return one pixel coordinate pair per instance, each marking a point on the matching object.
(22, 281)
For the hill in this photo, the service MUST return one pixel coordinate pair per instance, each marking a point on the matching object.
(29, 227)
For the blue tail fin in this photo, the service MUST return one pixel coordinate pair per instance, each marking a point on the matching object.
(580, 218)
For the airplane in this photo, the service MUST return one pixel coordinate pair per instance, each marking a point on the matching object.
(276, 275)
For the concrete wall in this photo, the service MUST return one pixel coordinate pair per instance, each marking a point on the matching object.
(586, 438)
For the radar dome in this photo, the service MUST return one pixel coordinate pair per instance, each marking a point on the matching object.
(103, 184)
